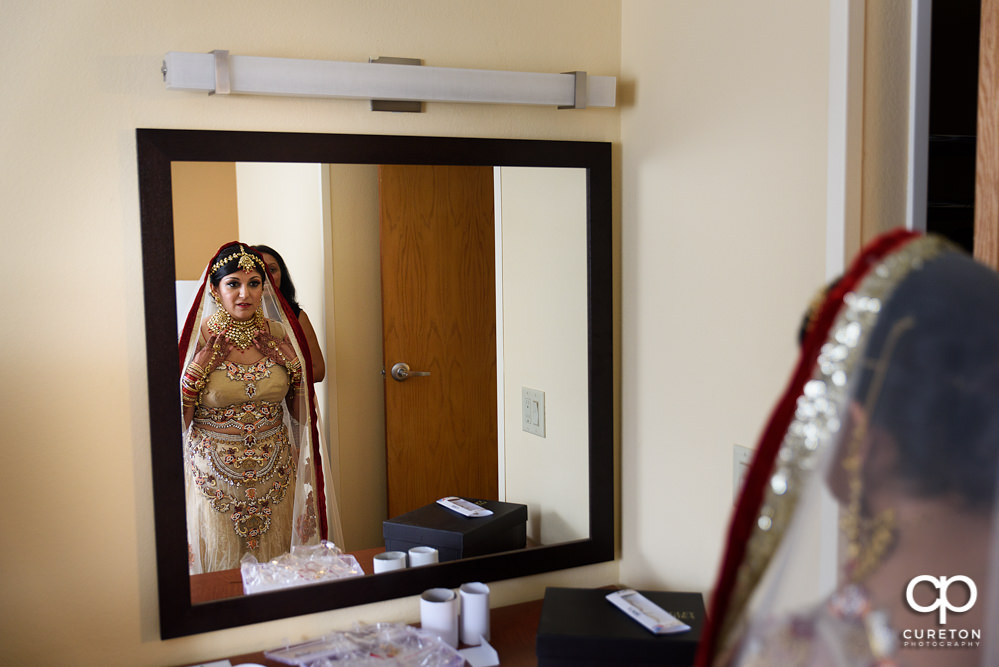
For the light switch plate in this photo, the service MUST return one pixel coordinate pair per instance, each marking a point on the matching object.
(533, 410)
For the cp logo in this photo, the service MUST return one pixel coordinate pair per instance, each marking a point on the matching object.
(942, 602)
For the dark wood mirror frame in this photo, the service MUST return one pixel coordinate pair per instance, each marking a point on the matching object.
(156, 149)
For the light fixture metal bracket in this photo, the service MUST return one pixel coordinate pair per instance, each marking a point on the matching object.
(398, 106)
(579, 92)
(222, 85)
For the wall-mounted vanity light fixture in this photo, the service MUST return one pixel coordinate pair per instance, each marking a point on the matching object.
(220, 73)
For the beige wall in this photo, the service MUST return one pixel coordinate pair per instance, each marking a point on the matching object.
(354, 315)
(723, 243)
(79, 77)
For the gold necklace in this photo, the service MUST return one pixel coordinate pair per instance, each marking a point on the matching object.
(238, 332)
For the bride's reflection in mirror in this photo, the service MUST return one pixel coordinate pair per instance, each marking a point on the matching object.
(255, 475)
(329, 239)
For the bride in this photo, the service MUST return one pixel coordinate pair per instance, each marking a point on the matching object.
(253, 459)
(891, 419)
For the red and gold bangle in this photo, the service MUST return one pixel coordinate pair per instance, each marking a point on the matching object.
(294, 368)
(191, 384)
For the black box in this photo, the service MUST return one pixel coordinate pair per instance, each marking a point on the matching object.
(456, 536)
(579, 627)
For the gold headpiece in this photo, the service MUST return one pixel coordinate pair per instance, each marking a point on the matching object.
(247, 261)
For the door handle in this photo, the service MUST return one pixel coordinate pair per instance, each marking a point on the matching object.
(401, 372)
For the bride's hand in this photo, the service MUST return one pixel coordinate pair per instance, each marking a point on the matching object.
(216, 349)
(280, 350)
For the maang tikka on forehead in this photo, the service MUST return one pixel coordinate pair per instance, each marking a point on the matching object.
(247, 261)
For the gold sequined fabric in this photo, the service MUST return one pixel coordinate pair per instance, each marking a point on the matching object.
(244, 479)
(241, 466)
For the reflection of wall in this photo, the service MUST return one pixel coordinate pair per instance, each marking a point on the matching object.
(204, 213)
(281, 205)
(354, 324)
(544, 339)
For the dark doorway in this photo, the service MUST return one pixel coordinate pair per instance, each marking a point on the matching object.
(953, 114)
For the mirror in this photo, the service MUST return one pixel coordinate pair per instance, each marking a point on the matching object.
(158, 151)
(512, 328)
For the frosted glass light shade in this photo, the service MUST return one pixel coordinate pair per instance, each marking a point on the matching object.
(254, 75)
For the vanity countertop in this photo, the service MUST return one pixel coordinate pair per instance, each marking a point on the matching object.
(514, 629)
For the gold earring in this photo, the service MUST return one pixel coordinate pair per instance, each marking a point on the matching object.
(869, 539)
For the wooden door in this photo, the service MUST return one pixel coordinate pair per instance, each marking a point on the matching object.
(987, 160)
(439, 316)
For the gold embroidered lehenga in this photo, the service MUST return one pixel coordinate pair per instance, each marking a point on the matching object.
(889, 428)
(253, 456)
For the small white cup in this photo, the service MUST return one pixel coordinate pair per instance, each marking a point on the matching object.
(474, 613)
(422, 556)
(439, 614)
(389, 560)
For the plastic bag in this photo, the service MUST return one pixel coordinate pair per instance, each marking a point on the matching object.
(377, 645)
(302, 566)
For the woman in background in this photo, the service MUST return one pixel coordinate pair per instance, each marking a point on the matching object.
(282, 281)
(892, 419)
(251, 447)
